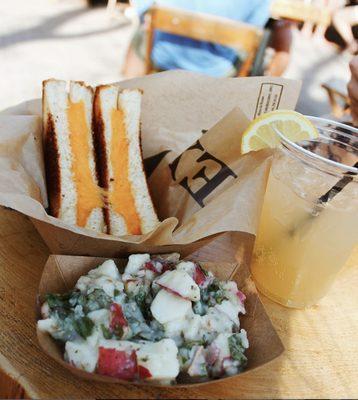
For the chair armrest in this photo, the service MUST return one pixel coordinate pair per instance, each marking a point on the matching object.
(336, 87)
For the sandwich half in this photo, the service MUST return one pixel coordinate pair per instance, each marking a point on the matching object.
(73, 191)
(128, 206)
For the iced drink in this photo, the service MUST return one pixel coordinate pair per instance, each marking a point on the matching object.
(302, 241)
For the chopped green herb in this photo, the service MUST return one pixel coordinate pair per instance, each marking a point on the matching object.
(139, 298)
(57, 300)
(116, 292)
(210, 296)
(77, 299)
(59, 305)
(142, 301)
(62, 303)
(184, 355)
(236, 348)
(118, 331)
(193, 343)
(202, 370)
(184, 359)
(219, 297)
(199, 308)
(96, 300)
(214, 286)
(64, 319)
(157, 331)
(106, 332)
(83, 326)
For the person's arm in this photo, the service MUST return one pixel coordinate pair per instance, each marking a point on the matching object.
(281, 41)
(281, 35)
(353, 90)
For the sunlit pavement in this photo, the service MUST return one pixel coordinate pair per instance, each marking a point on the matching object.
(315, 61)
(57, 38)
(65, 39)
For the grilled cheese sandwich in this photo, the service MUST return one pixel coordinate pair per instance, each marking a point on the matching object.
(94, 170)
(128, 205)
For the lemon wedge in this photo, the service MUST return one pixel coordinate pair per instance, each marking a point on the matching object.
(260, 133)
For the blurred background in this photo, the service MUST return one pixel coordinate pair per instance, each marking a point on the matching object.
(106, 40)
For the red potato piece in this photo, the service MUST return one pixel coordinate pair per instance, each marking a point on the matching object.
(171, 291)
(144, 372)
(199, 276)
(150, 265)
(167, 266)
(167, 306)
(180, 283)
(135, 263)
(212, 354)
(117, 317)
(241, 296)
(159, 359)
(117, 364)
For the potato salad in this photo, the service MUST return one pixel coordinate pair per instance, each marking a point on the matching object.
(162, 319)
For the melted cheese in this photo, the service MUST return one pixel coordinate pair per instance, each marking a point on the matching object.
(88, 192)
(121, 196)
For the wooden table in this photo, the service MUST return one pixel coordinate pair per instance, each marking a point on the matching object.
(321, 343)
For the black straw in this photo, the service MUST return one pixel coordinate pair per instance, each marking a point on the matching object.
(339, 186)
(328, 196)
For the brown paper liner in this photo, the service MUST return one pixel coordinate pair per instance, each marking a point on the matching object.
(211, 190)
(62, 272)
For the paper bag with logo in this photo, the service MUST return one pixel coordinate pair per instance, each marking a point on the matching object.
(199, 192)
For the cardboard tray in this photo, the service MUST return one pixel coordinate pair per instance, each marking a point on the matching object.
(61, 273)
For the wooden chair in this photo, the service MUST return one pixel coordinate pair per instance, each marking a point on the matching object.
(301, 11)
(338, 97)
(205, 27)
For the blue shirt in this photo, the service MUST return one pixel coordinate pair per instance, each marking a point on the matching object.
(177, 52)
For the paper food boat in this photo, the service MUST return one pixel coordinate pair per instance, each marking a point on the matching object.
(62, 272)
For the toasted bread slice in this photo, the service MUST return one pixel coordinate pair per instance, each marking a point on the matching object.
(73, 191)
(129, 208)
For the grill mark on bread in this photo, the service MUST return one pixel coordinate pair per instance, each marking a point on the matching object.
(52, 167)
(101, 161)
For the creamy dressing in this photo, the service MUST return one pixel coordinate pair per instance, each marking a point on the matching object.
(158, 320)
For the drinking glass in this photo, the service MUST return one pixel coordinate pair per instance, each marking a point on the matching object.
(309, 220)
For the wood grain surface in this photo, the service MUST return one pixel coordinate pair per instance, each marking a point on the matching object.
(321, 343)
